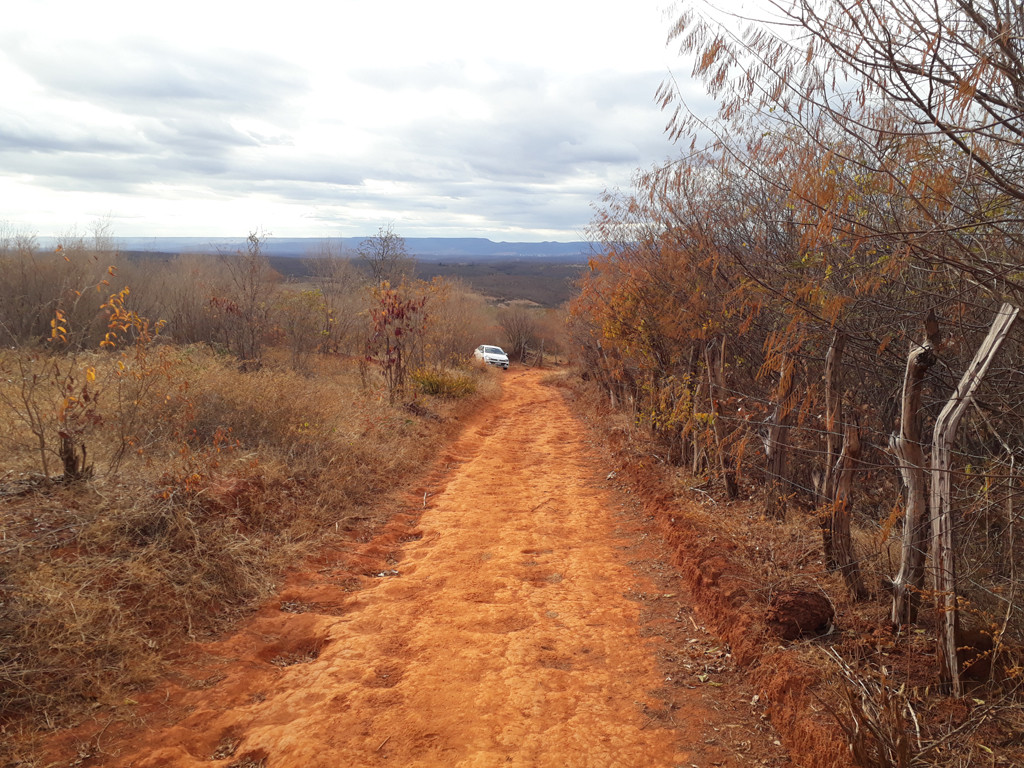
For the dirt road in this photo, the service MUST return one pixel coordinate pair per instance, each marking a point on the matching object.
(492, 627)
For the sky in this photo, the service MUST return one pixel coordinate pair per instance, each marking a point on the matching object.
(447, 118)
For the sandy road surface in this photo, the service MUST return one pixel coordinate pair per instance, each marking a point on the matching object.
(492, 629)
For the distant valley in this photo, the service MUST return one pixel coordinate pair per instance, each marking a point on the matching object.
(542, 273)
(423, 248)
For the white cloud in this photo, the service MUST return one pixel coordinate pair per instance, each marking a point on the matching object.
(320, 118)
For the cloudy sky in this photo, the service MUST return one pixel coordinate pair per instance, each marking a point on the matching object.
(327, 118)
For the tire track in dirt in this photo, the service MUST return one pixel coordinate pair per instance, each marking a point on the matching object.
(497, 633)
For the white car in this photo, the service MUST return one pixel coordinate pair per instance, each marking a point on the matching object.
(491, 355)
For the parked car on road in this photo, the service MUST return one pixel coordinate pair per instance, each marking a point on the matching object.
(489, 355)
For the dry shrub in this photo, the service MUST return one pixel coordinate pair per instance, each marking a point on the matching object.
(559, 378)
(879, 720)
(890, 724)
(238, 478)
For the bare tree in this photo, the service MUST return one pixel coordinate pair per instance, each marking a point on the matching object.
(519, 329)
(299, 318)
(247, 307)
(386, 256)
(342, 287)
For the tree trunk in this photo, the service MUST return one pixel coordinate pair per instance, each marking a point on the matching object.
(73, 458)
(688, 446)
(909, 453)
(606, 375)
(716, 387)
(825, 483)
(842, 542)
(777, 442)
(943, 555)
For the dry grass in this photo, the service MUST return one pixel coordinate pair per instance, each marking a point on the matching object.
(233, 478)
(559, 377)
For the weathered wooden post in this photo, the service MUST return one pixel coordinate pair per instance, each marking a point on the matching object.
(943, 555)
(909, 452)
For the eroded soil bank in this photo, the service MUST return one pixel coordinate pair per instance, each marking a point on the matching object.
(511, 617)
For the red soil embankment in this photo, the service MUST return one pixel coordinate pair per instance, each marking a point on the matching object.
(719, 588)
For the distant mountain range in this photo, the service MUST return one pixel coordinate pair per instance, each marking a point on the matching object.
(428, 248)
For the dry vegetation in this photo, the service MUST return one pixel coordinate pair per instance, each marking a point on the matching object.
(201, 457)
(810, 319)
(847, 688)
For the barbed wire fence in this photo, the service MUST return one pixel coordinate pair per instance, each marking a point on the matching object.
(983, 470)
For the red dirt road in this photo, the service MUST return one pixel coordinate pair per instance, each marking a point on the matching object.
(493, 628)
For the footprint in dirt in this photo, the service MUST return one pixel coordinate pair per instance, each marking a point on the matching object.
(296, 652)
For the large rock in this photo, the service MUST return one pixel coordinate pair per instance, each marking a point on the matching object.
(797, 613)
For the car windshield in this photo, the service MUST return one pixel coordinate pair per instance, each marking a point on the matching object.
(494, 350)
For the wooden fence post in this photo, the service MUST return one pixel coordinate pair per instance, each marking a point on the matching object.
(943, 561)
(909, 453)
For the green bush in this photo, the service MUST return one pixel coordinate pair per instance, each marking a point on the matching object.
(451, 384)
